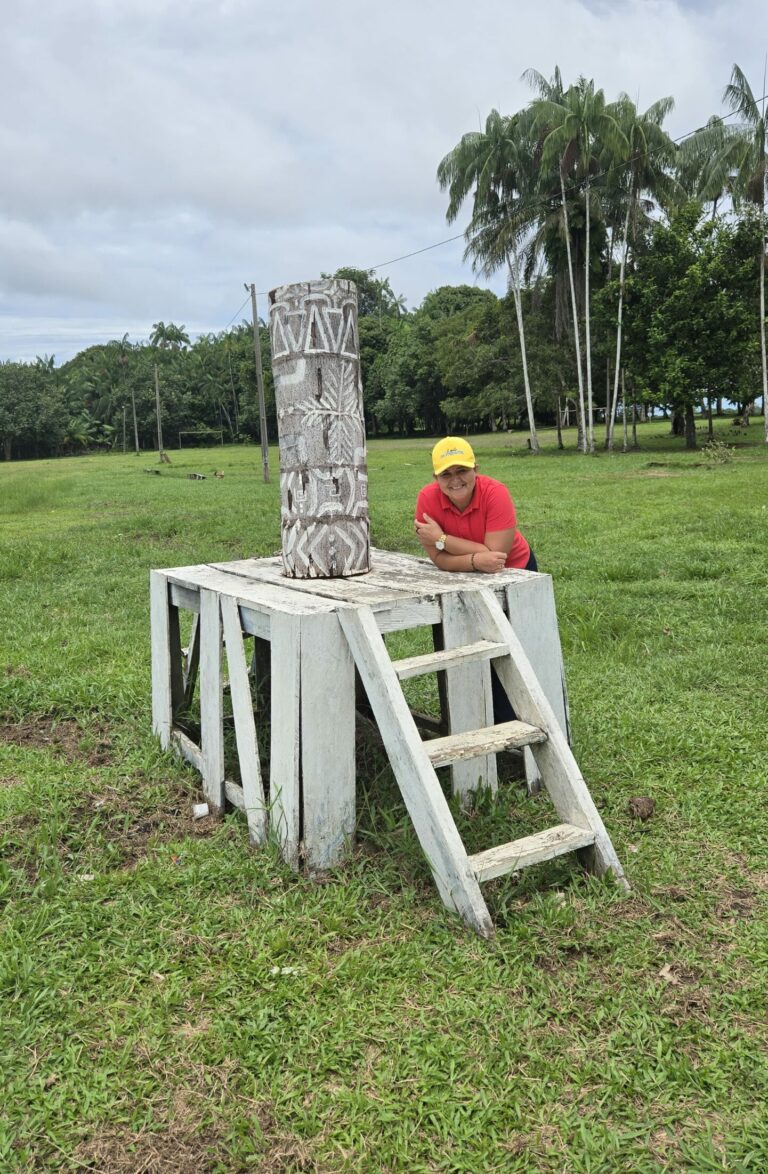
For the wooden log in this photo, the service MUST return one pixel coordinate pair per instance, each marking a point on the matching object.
(321, 432)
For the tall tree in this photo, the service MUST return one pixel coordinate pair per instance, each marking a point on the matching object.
(577, 126)
(734, 160)
(497, 166)
(750, 182)
(644, 178)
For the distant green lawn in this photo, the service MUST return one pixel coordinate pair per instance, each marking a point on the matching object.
(172, 1000)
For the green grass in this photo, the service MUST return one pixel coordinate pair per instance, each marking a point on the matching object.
(172, 1000)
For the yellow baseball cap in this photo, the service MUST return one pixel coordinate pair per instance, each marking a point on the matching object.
(452, 451)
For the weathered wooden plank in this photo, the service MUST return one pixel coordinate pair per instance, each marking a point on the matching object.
(234, 794)
(285, 760)
(469, 698)
(432, 662)
(188, 749)
(423, 796)
(327, 742)
(546, 845)
(162, 702)
(192, 662)
(477, 743)
(560, 772)
(211, 708)
(531, 609)
(186, 597)
(245, 726)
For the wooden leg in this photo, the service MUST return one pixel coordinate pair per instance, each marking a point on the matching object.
(470, 703)
(211, 706)
(285, 746)
(162, 701)
(327, 741)
(245, 726)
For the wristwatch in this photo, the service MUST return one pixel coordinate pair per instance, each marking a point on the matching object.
(440, 544)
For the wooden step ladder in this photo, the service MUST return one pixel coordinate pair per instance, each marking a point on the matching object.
(457, 874)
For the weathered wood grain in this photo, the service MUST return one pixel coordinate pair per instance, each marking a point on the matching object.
(477, 743)
(431, 662)
(211, 708)
(559, 770)
(469, 698)
(327, 742)
(245, 725)
(423, 796)
(546, 845)
(162, 705)
(285, 745)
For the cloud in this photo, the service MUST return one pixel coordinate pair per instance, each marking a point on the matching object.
(155, 155)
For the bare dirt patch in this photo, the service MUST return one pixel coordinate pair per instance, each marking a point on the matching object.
(179, 1149)
(10, 781)
(64, 736)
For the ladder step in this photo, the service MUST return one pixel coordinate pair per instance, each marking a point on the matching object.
(477, 743)
(432, 662)
(555, 841)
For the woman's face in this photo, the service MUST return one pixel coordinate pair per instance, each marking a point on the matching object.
(458, 485)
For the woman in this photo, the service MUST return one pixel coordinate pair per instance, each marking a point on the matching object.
(465, 521)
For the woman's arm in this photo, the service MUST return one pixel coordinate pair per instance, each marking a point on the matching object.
(462, 555)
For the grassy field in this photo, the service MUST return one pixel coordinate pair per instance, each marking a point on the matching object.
(174, 1001)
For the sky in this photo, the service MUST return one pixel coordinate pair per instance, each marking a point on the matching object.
(156, 155)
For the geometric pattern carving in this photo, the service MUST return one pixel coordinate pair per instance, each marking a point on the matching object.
(321, 430)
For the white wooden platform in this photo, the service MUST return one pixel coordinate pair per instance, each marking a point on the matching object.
(308, 801)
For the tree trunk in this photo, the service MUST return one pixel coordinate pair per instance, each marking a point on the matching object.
(514, 274)
(559, 428)
(588, 336)
(762, 323)
(321, 432)
(619, 317)
(581, 443)
(749, 407)
(710, 422)
(690, 427)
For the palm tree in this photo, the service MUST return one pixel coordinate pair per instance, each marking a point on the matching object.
(168, 336)
(734, 161)
(750, 179)
(496, 165)
(643, 176)
(576, 126)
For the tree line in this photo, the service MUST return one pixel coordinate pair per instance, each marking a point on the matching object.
(636, 279)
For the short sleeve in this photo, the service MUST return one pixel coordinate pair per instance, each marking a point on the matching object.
(423, 503)
(500, 509)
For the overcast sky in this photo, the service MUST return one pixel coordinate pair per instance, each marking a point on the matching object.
(157, 154)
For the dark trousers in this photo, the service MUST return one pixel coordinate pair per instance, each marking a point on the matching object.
(502, 707)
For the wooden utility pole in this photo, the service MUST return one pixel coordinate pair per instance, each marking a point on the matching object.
(260, 386)
(135, 425)
(161, 450)
(123, 429)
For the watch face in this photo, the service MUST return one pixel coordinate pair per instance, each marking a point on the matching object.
(440, 544)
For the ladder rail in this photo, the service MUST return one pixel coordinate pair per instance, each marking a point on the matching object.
(559, 770)
(419, 785)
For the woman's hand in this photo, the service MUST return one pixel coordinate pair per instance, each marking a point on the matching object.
(427, 531)
(489, 561)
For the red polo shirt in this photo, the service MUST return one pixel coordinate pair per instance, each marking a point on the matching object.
(490, 509)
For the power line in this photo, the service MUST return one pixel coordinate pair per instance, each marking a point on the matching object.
(571, 187)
